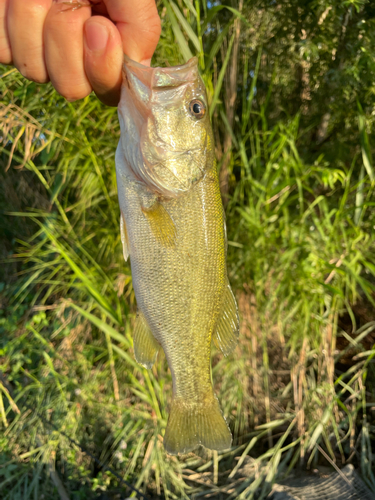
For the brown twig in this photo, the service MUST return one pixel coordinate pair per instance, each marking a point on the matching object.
(57, 481)
(333, 272)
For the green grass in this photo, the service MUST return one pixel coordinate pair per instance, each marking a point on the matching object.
(301, 259)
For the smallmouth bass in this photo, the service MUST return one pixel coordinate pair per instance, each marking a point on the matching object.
(173, 228)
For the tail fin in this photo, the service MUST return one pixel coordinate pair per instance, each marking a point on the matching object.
(192, 424)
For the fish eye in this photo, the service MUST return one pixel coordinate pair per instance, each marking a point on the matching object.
(197, 108)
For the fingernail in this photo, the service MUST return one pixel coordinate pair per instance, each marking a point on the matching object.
(96, 36)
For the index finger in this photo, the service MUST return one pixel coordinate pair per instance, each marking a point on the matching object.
(139, 25)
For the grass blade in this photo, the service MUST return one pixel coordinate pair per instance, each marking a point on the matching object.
(181, 40)
(220, 79)
(186, 26)
(365, 144)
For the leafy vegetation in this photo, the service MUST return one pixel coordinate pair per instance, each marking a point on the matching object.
(291, 92)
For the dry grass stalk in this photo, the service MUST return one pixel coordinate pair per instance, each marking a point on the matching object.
(231, 96)
(56, 478)
(10, 399)
(16, 123)
(249, 330)
(298, 378)
(266, 382)
(2, 411)
(116, 391)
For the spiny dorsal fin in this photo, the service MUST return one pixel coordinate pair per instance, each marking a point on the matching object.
(145, 346)
(161, 223)
(124, 238)
(227, 328)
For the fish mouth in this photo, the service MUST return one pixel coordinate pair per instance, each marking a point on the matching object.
(160, 78)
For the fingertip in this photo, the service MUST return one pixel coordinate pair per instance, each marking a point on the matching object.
(5, 55)
(103, 58)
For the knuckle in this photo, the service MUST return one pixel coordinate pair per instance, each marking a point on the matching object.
(31, 9)
(67, 27)
(36, 9)
(70, 83)
(74, 94)
(34, 76)
(67, 18)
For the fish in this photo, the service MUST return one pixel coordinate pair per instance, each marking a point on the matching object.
(173, 228)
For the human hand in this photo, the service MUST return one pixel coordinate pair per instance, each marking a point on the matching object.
(77, 44)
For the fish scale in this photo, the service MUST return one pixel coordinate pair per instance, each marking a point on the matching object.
(174, 230)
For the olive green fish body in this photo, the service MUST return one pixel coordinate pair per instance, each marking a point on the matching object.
(175, 235)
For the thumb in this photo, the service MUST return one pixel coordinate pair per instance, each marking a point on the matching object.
(133, 28)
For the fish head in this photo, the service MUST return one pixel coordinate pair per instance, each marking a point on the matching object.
(166, 136)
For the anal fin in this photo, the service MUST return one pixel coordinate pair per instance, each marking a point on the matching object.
(145, 346)
(161, 224)
(227, 328)
(124, 238)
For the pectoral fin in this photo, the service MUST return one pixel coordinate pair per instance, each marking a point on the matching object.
(161, 223)
(124, 238)
(145, 346)
(227, 328)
